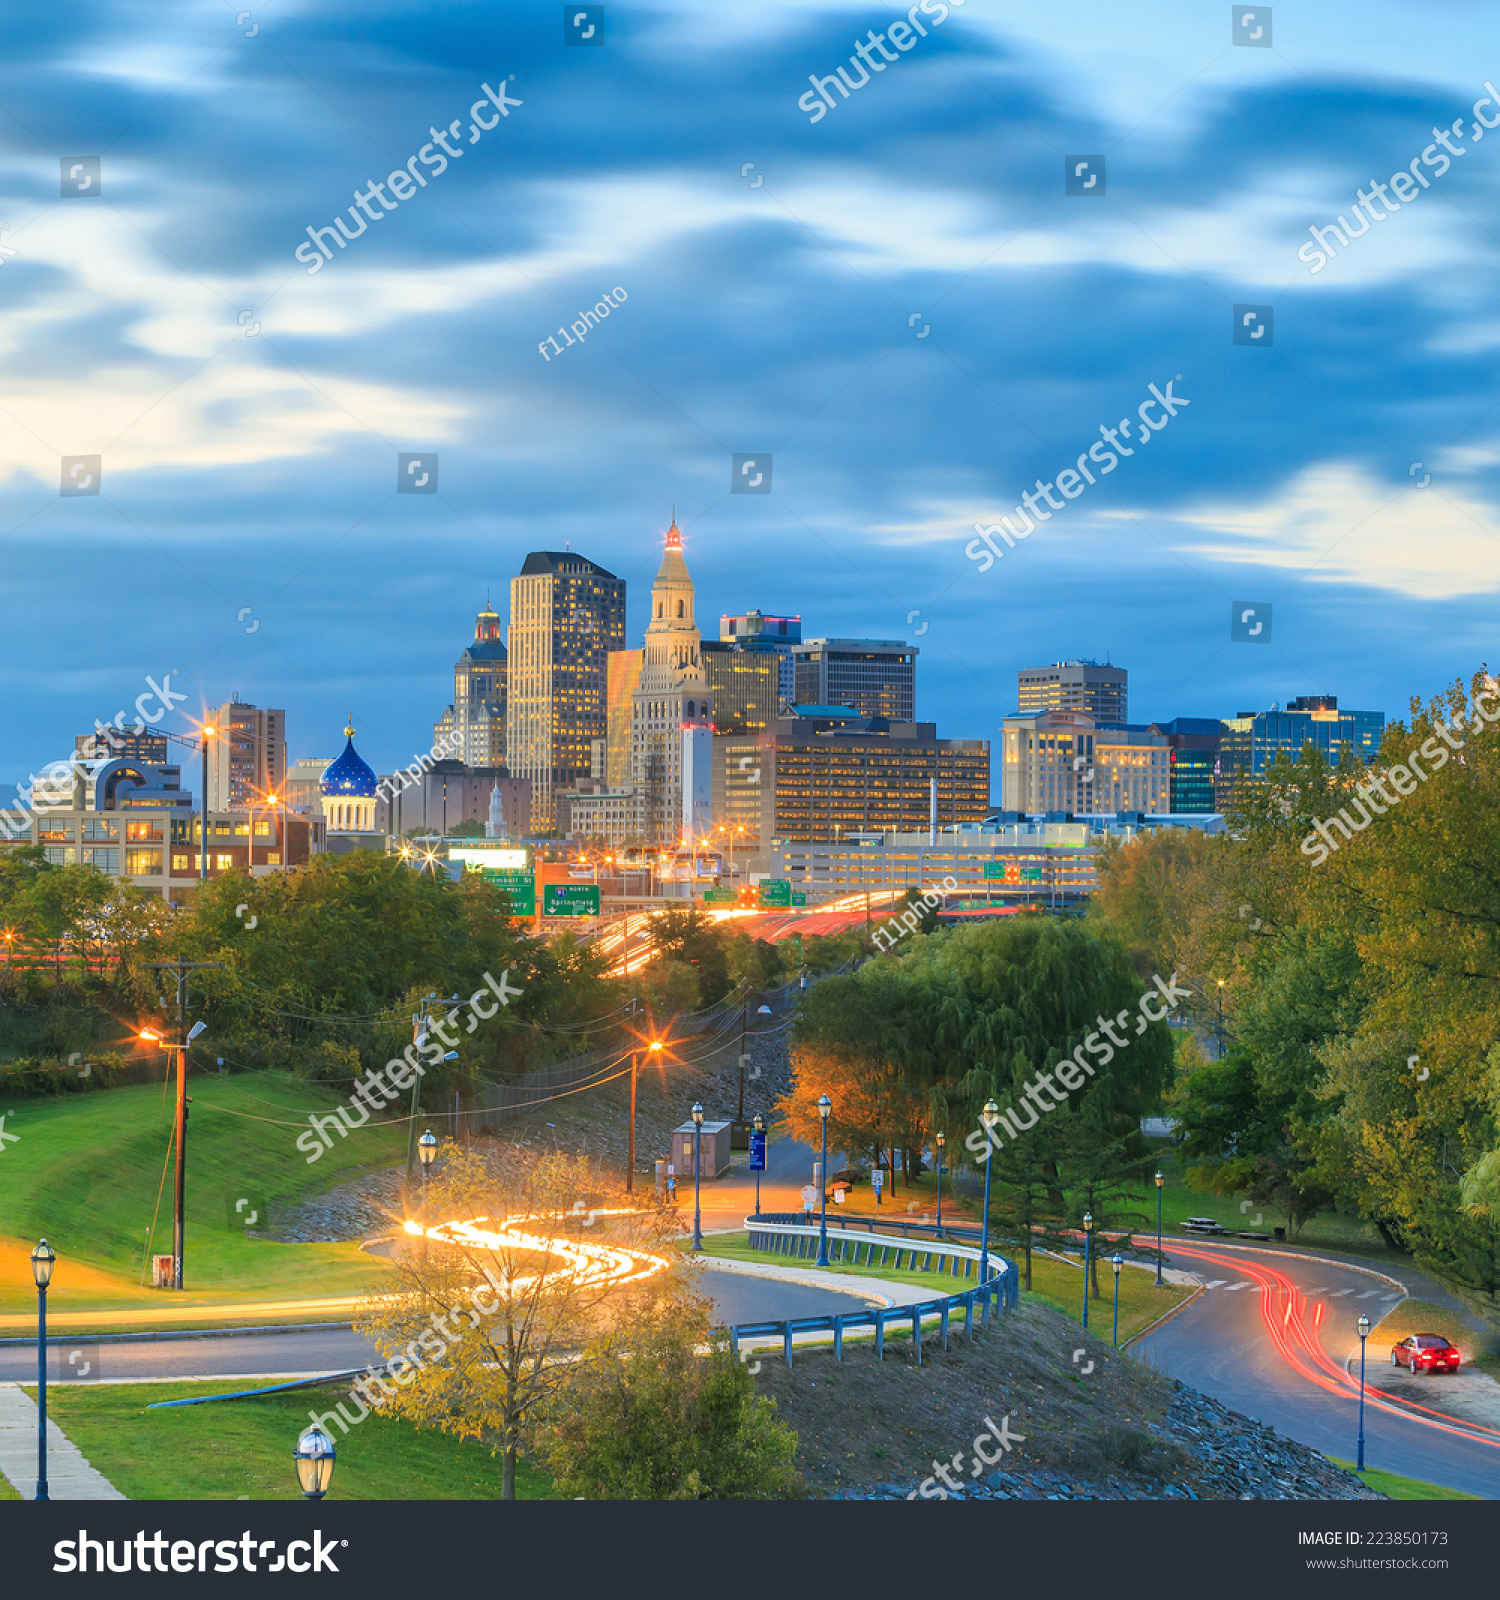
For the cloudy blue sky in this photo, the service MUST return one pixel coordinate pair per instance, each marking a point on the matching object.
(248, 414)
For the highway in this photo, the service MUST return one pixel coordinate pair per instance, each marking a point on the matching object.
(1271, 1337)
(332, 1349)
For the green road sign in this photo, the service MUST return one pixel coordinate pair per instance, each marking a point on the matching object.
(719, 897)
(520, 886)
(1031, 874)
(799, 898)
(570, 900)
(775, 892)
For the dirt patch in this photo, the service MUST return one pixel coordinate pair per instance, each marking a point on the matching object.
(1102, 1426)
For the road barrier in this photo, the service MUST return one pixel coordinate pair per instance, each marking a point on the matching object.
(788, 1234)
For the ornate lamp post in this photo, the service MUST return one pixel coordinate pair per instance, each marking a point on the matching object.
(1159, 1182)
(1117, 1261)
(426, 1150)
(1364, 1332)
(315, 1455)
(42, 1259)
(989, 1117)
(825, 1106)
(760, 1127)
(1088, 1261)
(697, 1177)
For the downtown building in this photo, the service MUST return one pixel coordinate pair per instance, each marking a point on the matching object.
(1064, 762)
(824, 774)
(246, 755)
(873, 677)
(1073, 686)
(776, 636)
(566, 615)
(1250, 741)
(472, 729)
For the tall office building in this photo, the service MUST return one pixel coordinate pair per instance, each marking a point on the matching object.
(623, 678)
(745, 684)
(1251, 740)
(1073, 686)
(566, 615)
(1066, 761)
(875, 677)
(1193, 750)
(246, 755)
(672, 705)
(777, 636)
(472, 729)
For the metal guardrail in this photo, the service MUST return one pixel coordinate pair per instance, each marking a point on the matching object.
(786, 1234)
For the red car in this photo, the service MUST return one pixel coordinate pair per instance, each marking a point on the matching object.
(1425, 1352)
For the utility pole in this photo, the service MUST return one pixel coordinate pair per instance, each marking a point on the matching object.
(739, 1115)
(179, 1221)
(635, 1057)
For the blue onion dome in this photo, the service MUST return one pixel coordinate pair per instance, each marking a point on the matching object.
(350, 774)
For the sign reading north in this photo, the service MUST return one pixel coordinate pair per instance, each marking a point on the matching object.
(570, 900)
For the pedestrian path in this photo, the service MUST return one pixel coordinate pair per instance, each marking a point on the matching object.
(69, 1476)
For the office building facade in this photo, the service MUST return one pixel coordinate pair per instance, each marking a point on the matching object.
(1073, 686)
(874, 677)
(566, 615)
(746, 686)
(472, 729)
(1250, 741)
(623, 677)
(777, 636)
(1065, 761)
(1193, 753)
(246, 756)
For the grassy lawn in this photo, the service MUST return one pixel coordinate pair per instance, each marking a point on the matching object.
(1054, 1282)
(87, 1170)
(6, 1492)
(243, 1448)
(1399, 1488)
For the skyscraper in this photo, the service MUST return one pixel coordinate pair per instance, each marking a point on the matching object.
(745, 685)
(755, 631)
(246, 757)
(672, 705)
(566, 614)
(1073, 686)
(473, 727)
(875, 677)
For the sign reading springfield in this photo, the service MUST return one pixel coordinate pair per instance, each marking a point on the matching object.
(570, 900)
(775, 892)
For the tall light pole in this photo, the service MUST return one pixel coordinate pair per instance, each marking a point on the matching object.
(1364, 1331)
(426, 1150)
(989, 1117)
(825, 1105)
(42, 1259)
(1159, 1182)
(1220, 1027)
(941, 1140)
(760, 1129)
(1088, 1239)
(697, 1177)
(1117, 1261)
(208, 733)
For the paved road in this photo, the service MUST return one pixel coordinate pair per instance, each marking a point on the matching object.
(1270, 1339)
(737, 1299)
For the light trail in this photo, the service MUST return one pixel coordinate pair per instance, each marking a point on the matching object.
(1302, 1348)
(594, 1265)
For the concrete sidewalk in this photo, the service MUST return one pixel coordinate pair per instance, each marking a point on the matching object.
(69, 1476)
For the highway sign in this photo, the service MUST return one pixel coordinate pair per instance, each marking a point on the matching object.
(719, 897)
(570, 900)
(520, 886)
(1031, 874)
(775, 892)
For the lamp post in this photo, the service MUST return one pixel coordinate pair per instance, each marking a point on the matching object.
(1364, 1331)
(697, 1177)
(941, 1140)
(208, 733)
(1088, 1239)
(42, 1259)
(1159, 1182)
(1220, 1026)
(760, 1128)
(426, 1150)
(825, 1105)
(989, 1117)
(315, 1456)
(1117, 1261)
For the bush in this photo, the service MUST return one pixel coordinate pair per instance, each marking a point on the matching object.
(662, 1422)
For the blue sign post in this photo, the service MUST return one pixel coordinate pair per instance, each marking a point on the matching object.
(757, 1160)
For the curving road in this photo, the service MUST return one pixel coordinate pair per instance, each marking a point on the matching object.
(736, 1299)
(1271, 1338)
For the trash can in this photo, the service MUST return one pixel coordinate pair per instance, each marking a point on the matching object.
(1280, 1235)
(163, 1272)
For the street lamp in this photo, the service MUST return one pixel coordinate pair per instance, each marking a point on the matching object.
(1364, 1332)
(1220, 1028)
(1159, 1182)
(1088, 1239)
(208, 733)
(989, 1117)
(941, 1140)
(760, 1127)
(315, 1456)
(1117, 1261)
(697, 1177)
(42, 1259)
(426, 1150)
(825, 1105)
